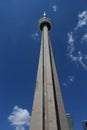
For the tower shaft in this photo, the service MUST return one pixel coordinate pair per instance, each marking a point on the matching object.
(48, 110)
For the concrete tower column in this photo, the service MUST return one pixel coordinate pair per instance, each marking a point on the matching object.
(48, 110)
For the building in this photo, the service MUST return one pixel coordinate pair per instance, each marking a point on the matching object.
(48, 111)
(84, 123)
(70, 121)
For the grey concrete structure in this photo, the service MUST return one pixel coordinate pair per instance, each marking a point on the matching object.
(70, 121)
(48, 110)
(84, 123)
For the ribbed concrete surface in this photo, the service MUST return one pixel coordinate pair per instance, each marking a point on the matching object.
(48, 110)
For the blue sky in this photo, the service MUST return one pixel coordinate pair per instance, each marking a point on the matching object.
(19, 55)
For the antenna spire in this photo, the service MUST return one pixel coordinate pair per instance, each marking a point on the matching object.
(44, 14)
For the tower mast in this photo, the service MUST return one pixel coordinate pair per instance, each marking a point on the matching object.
(48, 110)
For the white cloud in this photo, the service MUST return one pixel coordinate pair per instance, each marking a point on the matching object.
(71, 47)
(84, 38)
(35, 36)
(19, 118)
(82, 19)
(76, 58)
(79, 59)
(85, 57)
(68, 81)
(20, 128)
(71, 78)
(54, 8)
(65, 84)
(82, 64)
(70, 38)
(75, 50)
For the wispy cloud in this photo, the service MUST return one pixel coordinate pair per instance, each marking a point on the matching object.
(71, 78)
(71, 47)
(36, 36)
(68, 81)
(20, 128)
(70, 38)
(54, 8)
(82, 19)
(75, 47)
(80, 61)
(19, 118)
(65, 84)
(82, 64)
(84, 38)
